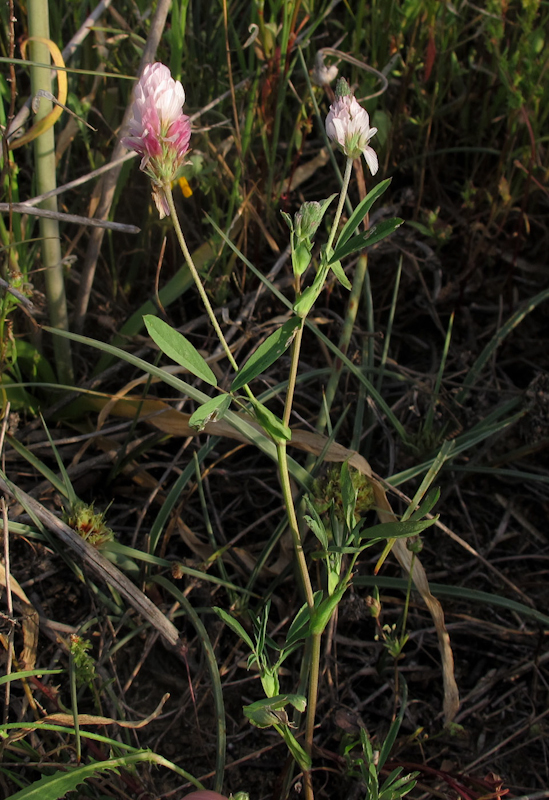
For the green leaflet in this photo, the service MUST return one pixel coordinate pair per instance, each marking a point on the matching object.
(396, 530)
(360, 212)
(267, 353)
(372, 236)
(271, 424)
(211, 411)
(337, 269)
(235, 626)
(178, 348)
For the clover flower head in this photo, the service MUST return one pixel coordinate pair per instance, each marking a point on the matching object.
(348, 124)
(158, 129)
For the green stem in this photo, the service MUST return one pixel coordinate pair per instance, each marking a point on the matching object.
(202, 292)
(296, 349)
(316, 638)
(292, 520)
(44, 155)
(408, 593)
(313, 692)
(74, 704)
(346, 333)
(342, 197)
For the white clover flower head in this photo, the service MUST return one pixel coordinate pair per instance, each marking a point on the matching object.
(348, 124)
(158, 129)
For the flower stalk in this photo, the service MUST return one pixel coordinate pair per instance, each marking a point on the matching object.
(167, 194)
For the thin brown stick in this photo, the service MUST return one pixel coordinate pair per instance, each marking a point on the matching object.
(23, 208)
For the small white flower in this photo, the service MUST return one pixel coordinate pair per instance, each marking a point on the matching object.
(348, 124)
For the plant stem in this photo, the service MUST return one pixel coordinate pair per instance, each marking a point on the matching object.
(196, 276)
(408, 593)
(324, 268)
(316, 638)
(341, 201)
(44, 155)
(296, 349)
(348, 325)
(292, 520)
(311, 702)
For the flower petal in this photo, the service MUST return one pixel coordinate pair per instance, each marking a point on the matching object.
(371, 159)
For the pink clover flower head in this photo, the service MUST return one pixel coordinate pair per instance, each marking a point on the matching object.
(348, 124)
(158, 129)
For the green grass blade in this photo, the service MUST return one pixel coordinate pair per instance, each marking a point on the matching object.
(460, 592)
(28, 673)
(214, 675)
(494, 343)
(70, 494)
(254, 436)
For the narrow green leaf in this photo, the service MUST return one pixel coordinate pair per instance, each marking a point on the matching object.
(323, 614)
(298, 753)
(69, 490)
(427, 505)
(318, 529)
(306, 301)
(395, 530)
(348, 495)
(340, 275)
(462, 593)
(299, 627)
(394, 729)
(178, 348)
(235, 626)
(49, 474)
(267, 353)
(27, 673)
(374, 235)
(271, 424)
(211, 411)
(54, 787)
(360, 212)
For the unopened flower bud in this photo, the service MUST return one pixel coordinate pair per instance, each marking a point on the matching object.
(342, 89)
(307, 219)
(414, 544)
(301, 258)
(374, 604)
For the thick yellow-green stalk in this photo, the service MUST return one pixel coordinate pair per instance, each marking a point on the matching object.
(44, 156)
